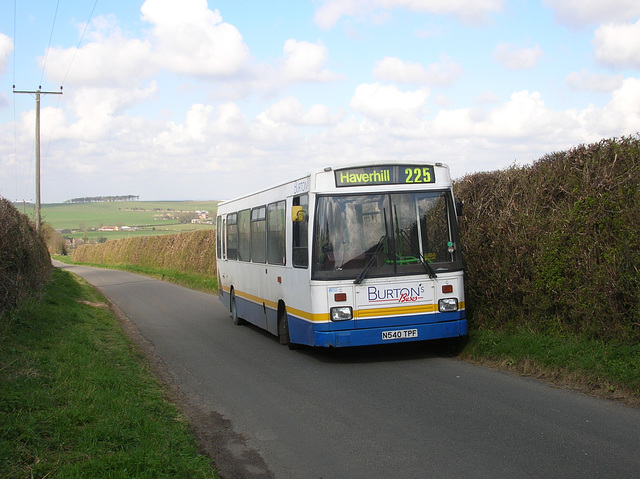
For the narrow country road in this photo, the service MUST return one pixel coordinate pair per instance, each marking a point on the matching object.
(393, 412)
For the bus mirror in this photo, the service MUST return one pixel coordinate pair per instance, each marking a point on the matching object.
(459, 207)
(298, 214)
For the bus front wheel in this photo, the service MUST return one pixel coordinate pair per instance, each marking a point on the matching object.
(283, 328)
(234, 309)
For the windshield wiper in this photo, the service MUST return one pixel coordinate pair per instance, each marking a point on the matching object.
(427, 266)
(369, 264)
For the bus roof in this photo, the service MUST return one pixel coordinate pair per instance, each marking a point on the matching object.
(326, 169)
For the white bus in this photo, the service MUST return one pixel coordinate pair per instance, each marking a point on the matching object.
(352, 256)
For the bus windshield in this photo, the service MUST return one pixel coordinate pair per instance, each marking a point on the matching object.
(393, 234)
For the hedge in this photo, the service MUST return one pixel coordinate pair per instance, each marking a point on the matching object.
(556, 245)
(25, 264)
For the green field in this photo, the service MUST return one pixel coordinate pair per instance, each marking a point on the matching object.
(123, 213)
(143, 217)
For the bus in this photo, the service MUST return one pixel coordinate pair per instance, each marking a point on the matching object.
(356, 255)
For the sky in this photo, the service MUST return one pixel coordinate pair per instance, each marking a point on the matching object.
(208, 100)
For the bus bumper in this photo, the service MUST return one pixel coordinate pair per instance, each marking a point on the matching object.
(368, 336)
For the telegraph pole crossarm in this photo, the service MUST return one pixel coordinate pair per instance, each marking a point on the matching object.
(37, 93)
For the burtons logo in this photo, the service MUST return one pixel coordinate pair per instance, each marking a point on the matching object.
(405, 294)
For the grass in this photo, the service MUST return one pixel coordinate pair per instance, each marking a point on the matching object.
(207, 284)
(162, 229)
(82, 216)
(604, 369)
(77, 399)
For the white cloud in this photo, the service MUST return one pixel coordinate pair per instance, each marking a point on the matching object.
(621, 116)
(525, 118)
(305, 61)
(98, 110)
(516, 58)
(6, 47)
(470, 11)
(230, 122)
(597, 82)
(111, 60)
(290, 110)
(180, 139)
(618, 44)
(186, 38)
(386, 102)
(193, 40)
(523, 115)
(393, 69)
(210, 138)
(487, 96)
(579, 13)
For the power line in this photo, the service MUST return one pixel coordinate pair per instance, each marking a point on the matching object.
(15, 13)
(15, 123)
(46, 55)
(37, 94)
(86, 25)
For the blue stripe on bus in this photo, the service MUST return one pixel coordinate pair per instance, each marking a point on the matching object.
(303, 332)
(363, 332)
(355, 332)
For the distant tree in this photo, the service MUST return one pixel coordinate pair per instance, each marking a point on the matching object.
(187, 216)
(56, 244)
(96, 199)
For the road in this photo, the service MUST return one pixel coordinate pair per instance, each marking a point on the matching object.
(365, 413)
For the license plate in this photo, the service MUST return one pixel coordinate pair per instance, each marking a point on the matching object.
(400, 334)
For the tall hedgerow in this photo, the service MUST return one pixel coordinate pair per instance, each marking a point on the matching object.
(556, 245)
(25, 264)
(192, 252)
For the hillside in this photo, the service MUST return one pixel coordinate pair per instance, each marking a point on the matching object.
(81, 216)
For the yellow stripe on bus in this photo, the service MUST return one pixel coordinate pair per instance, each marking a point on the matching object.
(357, 314)
(396, 311)
(316, 318)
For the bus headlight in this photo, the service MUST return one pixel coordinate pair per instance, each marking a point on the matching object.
(341, 313)
(447, 305)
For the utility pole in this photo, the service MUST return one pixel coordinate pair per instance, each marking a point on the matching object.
(37, 93)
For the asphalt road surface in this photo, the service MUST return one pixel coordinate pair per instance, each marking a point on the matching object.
(268, 412)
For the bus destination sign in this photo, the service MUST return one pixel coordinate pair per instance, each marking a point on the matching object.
(385, 175)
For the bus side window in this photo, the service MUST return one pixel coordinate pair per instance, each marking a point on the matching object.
(258, 235)
(301, 234)
(232, 236)
(219, 237)
(223, 239)
(244, 235)
(276, 233)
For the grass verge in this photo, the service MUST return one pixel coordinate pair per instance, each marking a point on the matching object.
(77, 399)
(199, 282)
(598, 368)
